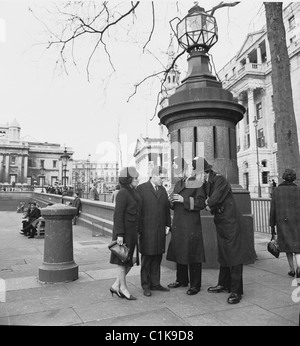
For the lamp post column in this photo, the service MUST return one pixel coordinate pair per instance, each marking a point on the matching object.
(255, 122)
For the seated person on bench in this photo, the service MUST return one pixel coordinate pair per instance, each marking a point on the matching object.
(32, 219)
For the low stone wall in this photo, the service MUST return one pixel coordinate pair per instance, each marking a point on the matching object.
(96, 215)
(9, 200)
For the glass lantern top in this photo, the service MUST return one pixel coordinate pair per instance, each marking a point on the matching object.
(196, 31)
(65, 157)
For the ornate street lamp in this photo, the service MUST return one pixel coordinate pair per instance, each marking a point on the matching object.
(196, 31)
(255, 122)
(201, 116)
(42, 171)
(64, 159)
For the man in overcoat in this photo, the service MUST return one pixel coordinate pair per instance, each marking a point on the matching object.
(186, 247)
(234, 249)
(155, 224)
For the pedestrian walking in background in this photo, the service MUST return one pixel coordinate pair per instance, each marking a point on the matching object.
(234, 247)
(125, 230)
(155, 225)
(285, 215)
(114, 194)
(186, 247)
(78, 205)
(94, 194)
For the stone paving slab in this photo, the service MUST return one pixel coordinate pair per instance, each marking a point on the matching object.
(161, 317)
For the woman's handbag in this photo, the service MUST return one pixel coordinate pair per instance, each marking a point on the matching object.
(273, 248)
(121, 251)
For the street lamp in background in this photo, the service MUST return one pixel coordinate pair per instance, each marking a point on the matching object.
(88, 173)
(64, 159)
(255, 122)
(42, 171)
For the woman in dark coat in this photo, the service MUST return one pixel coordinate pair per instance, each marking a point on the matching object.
(234, 249)
(126, 226)
(285, 214)
(186, 246)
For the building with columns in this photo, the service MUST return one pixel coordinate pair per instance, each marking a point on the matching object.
(27, 162)
(150, 152)
(248, 77)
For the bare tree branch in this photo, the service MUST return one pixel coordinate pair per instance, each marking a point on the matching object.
(79, 27)
(222, 4)
(153, 25)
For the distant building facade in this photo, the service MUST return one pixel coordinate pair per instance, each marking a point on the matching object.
(86, 172)
(150, 152)
(248, 77)
(25, 162)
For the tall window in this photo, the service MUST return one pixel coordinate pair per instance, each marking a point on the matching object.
(258, 110)
(291, 22)
(12, 160)
(43, 163)
(264, 176)
(260, 138)
(272, 99)
(54, 163)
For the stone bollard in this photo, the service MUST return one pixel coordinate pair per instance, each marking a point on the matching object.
(58, 265)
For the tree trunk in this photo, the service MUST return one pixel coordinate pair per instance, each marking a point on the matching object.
(286, 127)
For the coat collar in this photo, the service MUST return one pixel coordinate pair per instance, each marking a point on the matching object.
(151, 188)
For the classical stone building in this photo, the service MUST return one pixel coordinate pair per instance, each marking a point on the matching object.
(26, 162)
(150, 152)
(248, 77)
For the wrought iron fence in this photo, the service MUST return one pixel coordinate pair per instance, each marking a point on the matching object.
(260, 208)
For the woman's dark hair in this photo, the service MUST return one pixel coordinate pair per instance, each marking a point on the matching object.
(289, 175)
(126, 175)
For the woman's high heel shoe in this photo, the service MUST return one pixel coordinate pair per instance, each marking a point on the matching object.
(112, 291)
(130, 297)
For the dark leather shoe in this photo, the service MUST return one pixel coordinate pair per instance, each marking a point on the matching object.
(160, 288)
(291, 273)
(147, 292)
(176, 284)
(234, 298)
(217, 289)
(192, 291)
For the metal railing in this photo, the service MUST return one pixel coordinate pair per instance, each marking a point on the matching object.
(260, 208)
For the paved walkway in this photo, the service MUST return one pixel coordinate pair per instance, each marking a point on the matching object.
(87, 301)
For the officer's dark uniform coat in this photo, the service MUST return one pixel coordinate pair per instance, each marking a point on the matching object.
(235, 245)
(186, 245)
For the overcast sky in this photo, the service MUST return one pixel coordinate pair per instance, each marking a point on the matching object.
(55, 107)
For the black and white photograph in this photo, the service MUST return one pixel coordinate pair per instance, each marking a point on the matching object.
(149, 166)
